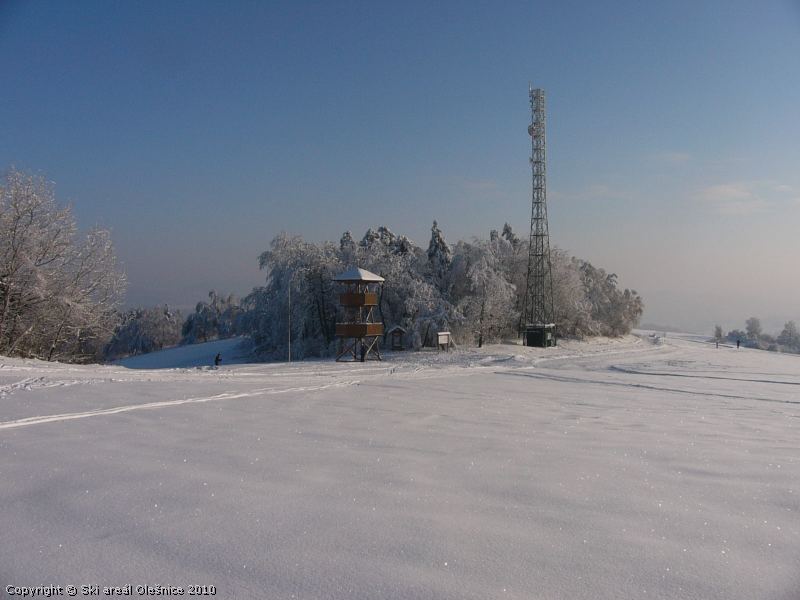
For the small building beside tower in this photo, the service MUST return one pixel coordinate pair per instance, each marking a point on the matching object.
(396, 335)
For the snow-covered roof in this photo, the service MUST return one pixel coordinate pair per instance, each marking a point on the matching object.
(397, 328)
(356, 274)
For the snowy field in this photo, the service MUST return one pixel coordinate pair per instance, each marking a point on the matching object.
(615, 469)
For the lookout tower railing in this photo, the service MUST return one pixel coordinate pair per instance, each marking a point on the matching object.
(358, 331)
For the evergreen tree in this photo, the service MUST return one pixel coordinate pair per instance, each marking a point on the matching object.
(439, 258)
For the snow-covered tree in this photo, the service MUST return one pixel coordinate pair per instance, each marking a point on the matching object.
(510, 236)
(59, 290)
(735, 335)
(408, 297)
(347, 248)
(614, 311)
(485, 296)
(143, 330)
(439, 258)
(298, 279)
(473, 289)
(218, 318)
(753, 328)
(570, 298)
(790, 336)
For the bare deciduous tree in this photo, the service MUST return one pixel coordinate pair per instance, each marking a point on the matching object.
(58, 290)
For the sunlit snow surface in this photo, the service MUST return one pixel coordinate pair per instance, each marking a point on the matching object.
(610, 469)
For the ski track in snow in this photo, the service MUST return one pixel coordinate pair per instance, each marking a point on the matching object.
(416, 366)
(631, 371)
(660, 388)
(610, 469)
(32, 383)
(28, 421)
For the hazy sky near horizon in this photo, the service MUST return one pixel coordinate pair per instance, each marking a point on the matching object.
(199, 130)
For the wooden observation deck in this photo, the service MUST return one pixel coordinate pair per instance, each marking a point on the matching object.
(358, 332)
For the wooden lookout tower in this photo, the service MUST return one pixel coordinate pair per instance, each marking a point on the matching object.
(358, 332)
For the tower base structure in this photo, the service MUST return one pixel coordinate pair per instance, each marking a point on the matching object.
(540, 335)
(358, 341)
(356, 328)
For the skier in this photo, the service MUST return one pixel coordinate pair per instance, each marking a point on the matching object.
(737, 343)
(217, 359)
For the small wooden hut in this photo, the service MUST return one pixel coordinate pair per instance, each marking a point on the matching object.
(358, 331)
(396, 334)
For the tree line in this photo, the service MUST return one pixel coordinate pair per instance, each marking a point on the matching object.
(61, 291)
(475, 289)
(753, 336)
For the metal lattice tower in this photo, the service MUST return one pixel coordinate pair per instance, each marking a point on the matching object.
(538, 307)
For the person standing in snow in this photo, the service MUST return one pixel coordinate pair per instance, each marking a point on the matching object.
(737, 343)
(217, 359)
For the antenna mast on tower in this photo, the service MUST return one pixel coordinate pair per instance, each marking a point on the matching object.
(538, 313)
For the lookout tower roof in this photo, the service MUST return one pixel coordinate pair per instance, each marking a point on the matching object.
(354, 274)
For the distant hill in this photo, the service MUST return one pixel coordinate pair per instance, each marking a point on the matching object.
(192, 355)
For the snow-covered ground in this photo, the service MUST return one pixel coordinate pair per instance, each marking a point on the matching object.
(633, 468)
(197, 355)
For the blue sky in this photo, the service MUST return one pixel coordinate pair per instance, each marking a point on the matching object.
(199, 130)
